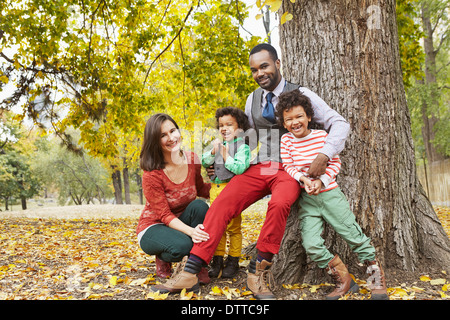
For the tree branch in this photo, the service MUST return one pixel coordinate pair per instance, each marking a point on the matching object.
(167, 47)
(443, 39)
(444, 66)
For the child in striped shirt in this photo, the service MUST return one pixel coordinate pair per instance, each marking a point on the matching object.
(322, 200)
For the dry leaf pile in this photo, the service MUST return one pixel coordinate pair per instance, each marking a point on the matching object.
(98, 258)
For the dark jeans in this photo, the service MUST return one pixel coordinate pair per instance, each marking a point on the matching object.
(171, 245)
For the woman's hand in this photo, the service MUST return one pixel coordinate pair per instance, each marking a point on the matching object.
(198, 235)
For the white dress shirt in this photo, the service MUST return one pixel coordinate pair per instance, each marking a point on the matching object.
(337, 127)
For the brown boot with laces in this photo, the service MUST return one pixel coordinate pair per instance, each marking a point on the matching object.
(180, 280)
(260, 280)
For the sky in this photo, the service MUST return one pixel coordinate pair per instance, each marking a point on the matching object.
(256, 27)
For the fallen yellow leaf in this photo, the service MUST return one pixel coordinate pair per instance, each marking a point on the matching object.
(216, 291)
(417, 289)
(138, 282)
(425, 278)
(186, 296)
(95, 286)
(156, 295)
(314, 288)
(113, 281)
(436, 282)
(399, 291)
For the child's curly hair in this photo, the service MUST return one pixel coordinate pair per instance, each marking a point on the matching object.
(238, 114)
(288, 100)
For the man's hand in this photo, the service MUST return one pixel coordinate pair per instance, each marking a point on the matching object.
(318, 166)
(210, 171)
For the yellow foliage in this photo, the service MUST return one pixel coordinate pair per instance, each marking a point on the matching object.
(286, 17)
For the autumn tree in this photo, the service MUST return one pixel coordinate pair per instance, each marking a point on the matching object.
(348, 52)
(410, 35)
(16, 177)
(78, 178)
(105, 66)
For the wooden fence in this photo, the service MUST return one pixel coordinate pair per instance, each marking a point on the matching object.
(436, 181)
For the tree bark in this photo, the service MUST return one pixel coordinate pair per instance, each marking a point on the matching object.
(347, 52)
(126, 182)
(23, 201)
(117, 184)
(139, 184)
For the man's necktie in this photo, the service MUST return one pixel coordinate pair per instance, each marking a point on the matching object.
(269, 110)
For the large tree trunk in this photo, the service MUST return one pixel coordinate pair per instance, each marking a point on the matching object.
(347, 52)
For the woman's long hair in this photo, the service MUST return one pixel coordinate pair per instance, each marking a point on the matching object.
(152, 157)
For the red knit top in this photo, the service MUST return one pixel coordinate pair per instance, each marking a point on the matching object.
(167, 200)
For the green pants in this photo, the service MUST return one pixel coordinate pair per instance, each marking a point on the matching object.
(331, 207)
(171, 245)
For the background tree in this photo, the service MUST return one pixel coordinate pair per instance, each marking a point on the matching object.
(430, 94)
(410, 34)
(105, 66)
(77, 178)
(348, 53)
(16, 178)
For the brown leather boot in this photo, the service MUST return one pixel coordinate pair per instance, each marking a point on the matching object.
(163, 268)
(344, 282)
(180, 280)
(376, 280)
(257, 277)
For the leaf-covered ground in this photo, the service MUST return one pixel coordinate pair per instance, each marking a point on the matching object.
(91, 252)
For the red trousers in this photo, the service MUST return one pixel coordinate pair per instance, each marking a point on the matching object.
(243, 190)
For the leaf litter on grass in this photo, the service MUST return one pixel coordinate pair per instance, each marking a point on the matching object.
(99, 258)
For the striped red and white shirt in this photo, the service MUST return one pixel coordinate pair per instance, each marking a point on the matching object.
(297, 155)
